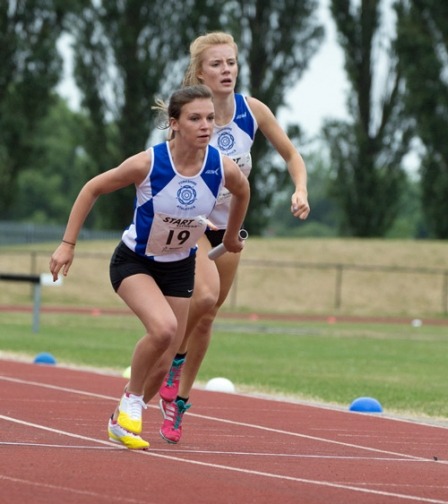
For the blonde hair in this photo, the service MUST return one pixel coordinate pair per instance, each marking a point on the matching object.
(197, 49)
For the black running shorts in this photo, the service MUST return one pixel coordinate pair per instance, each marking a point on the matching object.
(214, 237)
(173, 278)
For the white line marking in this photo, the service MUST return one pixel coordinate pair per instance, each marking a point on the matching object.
(224, 453)
(51, 445)
(109, 497)
(294, 455)
(56, 387)
(327, 484)
(314, 438)
(232, 422)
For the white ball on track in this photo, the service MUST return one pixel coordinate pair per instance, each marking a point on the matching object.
(220, 384)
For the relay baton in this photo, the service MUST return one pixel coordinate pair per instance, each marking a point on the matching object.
(219, 250)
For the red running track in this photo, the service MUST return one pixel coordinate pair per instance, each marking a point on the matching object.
(235, 449)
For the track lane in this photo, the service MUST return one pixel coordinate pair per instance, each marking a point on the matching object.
(240, 448)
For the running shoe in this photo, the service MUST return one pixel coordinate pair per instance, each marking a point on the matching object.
(130, 412)
(171, 430)
(121, 436)
(170, 387)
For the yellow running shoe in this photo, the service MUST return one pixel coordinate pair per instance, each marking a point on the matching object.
(121, 436)
(130, 412)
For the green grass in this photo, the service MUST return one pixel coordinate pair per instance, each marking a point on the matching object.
(404, 367)
(104, 342)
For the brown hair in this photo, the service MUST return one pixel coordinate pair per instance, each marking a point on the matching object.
(197, 49)
(177, 100)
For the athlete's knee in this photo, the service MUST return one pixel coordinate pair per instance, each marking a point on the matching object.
(205, 300)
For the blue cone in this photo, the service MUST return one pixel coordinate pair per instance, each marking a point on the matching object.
(44, 358)
(366, 405)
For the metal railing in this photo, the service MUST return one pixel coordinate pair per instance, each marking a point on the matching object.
(341, 287)
(340, 269)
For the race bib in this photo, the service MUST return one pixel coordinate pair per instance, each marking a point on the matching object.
(244, 162)
(169, 235)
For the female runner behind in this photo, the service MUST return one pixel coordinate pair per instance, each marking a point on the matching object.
(214, 62)
(152, 269)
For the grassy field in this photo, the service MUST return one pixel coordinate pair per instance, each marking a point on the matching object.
(299, 276)
(404, 367)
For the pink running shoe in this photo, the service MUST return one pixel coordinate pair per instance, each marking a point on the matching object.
(171, 430)
(170, 387)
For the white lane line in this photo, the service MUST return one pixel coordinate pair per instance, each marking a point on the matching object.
(216, 452)
(233, 422)
(57, 387)
(296, 455)
(251, 472)
(54, 445)
(84, 493)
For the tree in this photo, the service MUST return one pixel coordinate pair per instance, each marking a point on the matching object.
(422, 45)
(324, 218)
(30, 70)
(409, 222)
(367, 153)
(277, 39)
(48, 187)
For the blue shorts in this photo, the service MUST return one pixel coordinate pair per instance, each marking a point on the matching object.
(173, 278)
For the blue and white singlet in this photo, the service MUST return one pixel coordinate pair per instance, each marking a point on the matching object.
(235, 141)
(170, 209)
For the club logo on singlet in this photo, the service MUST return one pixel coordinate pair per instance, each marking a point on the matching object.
(226, 140)
(186, 195)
